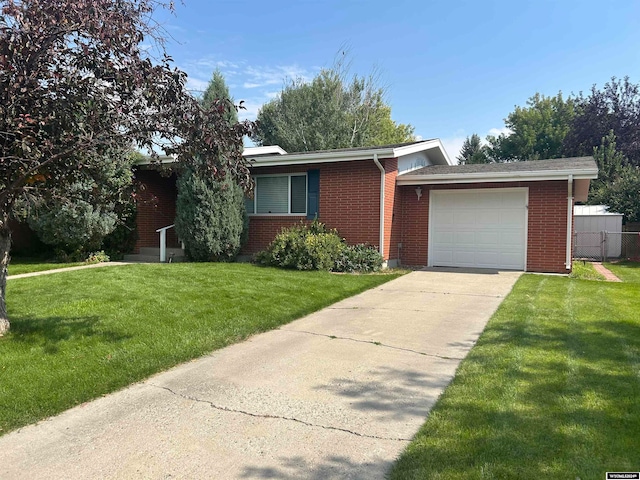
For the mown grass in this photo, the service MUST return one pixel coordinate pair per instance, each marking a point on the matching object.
(20, 265)
(626, 271)
(551, 390)
(585, 271)
(77, 335)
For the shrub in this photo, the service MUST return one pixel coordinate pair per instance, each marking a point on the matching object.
(210, 217)
(358, 258)
(303, 247)
(71, 227)
(97, 257)
(316, 247)
(74, 218)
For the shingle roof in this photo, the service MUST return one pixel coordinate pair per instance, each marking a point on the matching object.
(573, 163)
(354, 149)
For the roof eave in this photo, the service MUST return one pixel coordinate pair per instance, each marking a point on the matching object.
(419, 147)
(333, 156)
(322, 157)
(162, 160)
(587, 174)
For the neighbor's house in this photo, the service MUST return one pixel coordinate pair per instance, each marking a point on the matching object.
(408, 200)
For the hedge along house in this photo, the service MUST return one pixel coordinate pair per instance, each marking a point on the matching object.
(411, 202)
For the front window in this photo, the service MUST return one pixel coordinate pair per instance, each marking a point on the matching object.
(279, 195)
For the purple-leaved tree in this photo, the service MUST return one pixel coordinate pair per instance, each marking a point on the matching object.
(76, 84)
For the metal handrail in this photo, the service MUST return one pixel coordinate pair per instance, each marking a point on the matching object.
(163, 242)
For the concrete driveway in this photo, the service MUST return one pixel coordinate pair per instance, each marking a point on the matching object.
(337, 394)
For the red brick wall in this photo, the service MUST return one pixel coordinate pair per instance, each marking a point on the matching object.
(392, 210)
(349, 202)
(547, 223)
(415, 225)
(547, 246)
(156, 204)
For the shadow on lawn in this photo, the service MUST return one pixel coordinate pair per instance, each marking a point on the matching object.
(51, 331)
(562, 404)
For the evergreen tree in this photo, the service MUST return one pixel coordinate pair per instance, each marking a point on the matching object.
(210, 213)
(473, 151)
(209, 217)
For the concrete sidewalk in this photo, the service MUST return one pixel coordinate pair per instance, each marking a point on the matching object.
(66, 269)
(337, 394)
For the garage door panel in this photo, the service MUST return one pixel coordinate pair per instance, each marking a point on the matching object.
(443, 257)
(443, 217)
(484, 229)
(488, 203)
(487, 238)
(464, 238)
(484, 217)
(444, 239)
(511, 238)
(511, 216)
(463, 216)
(511, 198)
(511, 261)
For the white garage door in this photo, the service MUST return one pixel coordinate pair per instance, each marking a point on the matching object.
(478, 228)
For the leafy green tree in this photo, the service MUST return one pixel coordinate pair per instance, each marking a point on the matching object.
(622, 196)
(473, 151)
(616, 107)
(388, 132)
(537, 130)
(75, 84)
(210, 212)
(331, 111)
(618, 182)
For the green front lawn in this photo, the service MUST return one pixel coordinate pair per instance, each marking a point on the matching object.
(585, 271)
(78, 335)
(21, 265)
(626, 271)
(551, 390)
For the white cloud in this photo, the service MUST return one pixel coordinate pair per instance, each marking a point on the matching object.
(262, 76)
(499, 131)
(251, 108)
(196, 85)
(453, 145)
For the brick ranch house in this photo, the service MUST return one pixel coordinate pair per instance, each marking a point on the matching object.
(408, 200)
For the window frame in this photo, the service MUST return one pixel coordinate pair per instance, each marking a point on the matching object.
(288, 214)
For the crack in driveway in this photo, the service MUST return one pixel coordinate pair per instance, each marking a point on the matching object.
(372, 342)
(276, 417)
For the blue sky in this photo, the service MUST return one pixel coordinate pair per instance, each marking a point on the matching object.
(451, 68)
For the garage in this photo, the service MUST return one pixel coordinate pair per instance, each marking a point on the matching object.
(482, 228)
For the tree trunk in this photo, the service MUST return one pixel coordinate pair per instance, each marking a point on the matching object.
(5, 245)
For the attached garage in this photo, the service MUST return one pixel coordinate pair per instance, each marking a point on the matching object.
(483, 228)
(506, 216)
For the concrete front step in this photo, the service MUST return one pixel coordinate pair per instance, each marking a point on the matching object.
(152, 255)
(156, 251)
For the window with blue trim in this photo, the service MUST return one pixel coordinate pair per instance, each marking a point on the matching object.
(279, 195)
